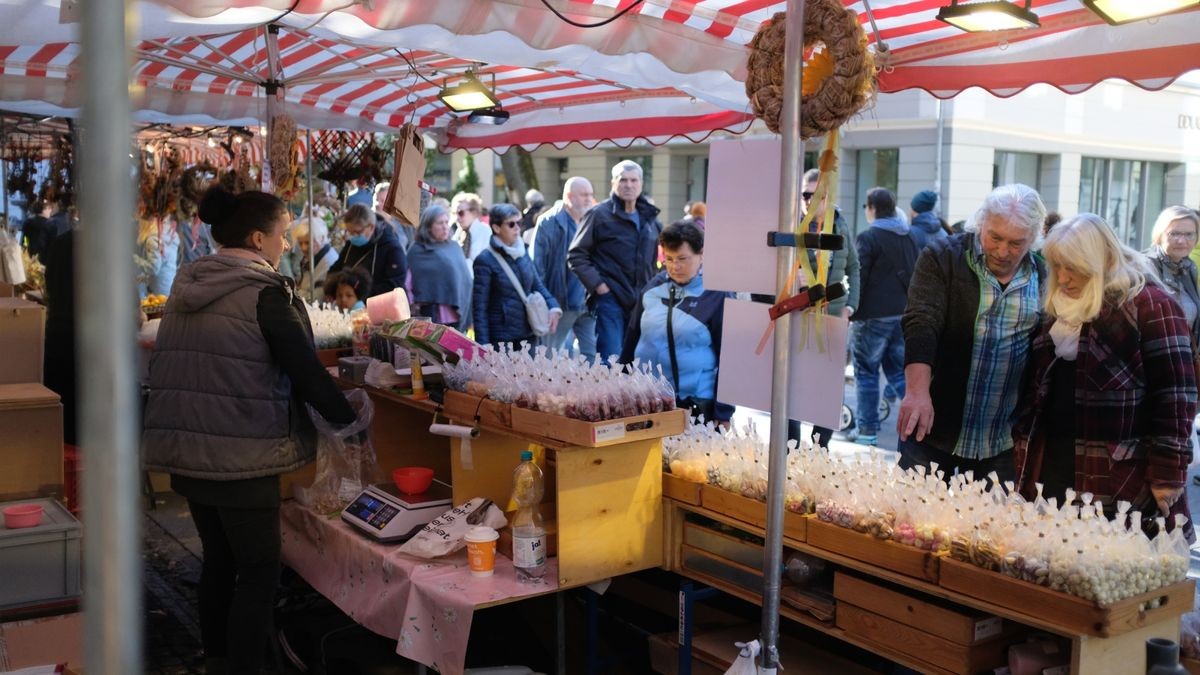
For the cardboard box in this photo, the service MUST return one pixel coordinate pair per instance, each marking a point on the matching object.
(31, 446)
(39, 642)
(22, 335)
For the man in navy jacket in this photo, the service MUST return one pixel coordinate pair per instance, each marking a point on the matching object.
(614, 254)
(555, 230)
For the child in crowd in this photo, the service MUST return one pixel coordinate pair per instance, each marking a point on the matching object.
(349, 288)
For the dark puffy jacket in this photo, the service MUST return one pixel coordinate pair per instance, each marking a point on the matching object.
(383, 258)
(555, 230)
(232, 370)
(610, 249)
(496, 308)
(887, 255)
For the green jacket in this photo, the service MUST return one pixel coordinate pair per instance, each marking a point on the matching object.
(842, 267)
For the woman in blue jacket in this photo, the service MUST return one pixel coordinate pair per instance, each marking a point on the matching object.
(497, 307)
(677, 324)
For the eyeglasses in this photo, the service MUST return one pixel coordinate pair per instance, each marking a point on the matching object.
(1181, 236)
(807, 195)
(512, 223)
(461, 212)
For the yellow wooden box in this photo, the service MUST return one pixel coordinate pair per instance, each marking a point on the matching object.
(598, 434)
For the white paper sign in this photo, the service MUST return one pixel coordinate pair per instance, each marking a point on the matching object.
(743, 206)
(816, 379)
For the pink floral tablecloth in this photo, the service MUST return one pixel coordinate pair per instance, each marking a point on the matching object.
(426, 605)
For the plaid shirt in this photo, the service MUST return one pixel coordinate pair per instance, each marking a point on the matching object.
(1135, 397)
(1004, 324)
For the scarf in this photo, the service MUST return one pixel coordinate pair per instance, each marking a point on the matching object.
(515, 251)
(1175, 273)
(1067, 326)
(440, 276)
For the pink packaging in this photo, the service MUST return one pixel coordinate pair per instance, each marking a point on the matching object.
(392, 306)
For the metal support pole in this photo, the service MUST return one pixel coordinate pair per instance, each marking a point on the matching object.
(790, 171)
(312, 213)
(105, 328)
(4, 177)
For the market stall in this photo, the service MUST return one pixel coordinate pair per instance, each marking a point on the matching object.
(700, 55)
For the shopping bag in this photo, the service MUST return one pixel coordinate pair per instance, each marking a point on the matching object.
(12, 266)
(745, 663)
(346, 461)
(403, 198)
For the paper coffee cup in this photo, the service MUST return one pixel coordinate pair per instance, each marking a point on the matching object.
(481, 550)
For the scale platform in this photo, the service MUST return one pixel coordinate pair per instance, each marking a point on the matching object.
(387, 515)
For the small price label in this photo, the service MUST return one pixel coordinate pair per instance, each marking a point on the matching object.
(608, 432)
(986, 628)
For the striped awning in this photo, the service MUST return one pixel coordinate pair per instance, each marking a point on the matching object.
(665, 68)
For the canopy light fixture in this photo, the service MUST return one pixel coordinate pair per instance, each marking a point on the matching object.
(469, 94)
(988, 16)
(1117, 12)
(494, 115)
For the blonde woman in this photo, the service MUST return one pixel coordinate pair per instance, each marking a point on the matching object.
(1173, 237)
(1112, 395)
(469, 231)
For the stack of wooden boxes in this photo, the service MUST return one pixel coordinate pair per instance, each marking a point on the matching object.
(31, 417)
(34, 629)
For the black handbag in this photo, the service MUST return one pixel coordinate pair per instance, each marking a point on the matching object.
(696, 407)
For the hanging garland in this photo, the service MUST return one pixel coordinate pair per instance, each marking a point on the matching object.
(838, 76)
(23, 158)
(283, 156)
(59, 186)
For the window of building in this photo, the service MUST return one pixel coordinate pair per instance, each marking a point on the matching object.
(1129, 194)
(876, 168)
(697, 178)
(1017, 167)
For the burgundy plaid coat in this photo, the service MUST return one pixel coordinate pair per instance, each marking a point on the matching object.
(1135, 399)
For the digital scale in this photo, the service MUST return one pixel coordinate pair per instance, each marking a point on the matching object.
(386, 514)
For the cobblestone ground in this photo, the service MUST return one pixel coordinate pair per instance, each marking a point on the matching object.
(172, 627)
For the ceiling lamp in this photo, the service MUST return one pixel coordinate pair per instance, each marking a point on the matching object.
(1117, 12)
(988, 16)
(494, 115)
(469, 94)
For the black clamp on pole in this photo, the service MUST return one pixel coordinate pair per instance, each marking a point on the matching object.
(817, 240)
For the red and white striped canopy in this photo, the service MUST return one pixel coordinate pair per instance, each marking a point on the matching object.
(665, 68)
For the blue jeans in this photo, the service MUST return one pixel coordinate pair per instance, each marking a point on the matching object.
(610, 326)
(877, 342)
(582, 324)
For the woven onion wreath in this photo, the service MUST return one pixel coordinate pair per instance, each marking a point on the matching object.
(838, 80)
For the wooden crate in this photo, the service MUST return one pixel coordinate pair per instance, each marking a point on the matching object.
(908, 560)
(752, 511)
(1074, 614)
(598, 434)
(955, 623)
(681, 490)
(941, 654)
(463, 408)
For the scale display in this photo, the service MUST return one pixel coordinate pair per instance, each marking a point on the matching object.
(385, 514)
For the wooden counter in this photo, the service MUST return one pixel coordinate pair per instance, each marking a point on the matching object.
(1117, 647)
(607, 501)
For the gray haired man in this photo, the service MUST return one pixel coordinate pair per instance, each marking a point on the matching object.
(614, 254)
(556, 228)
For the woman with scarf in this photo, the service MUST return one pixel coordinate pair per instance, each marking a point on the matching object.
(1112, 392)
(1173, 237)
(439, 284)
(498, 305)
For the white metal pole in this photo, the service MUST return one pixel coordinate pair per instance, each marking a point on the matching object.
(105, 329)
(790, 171)
(312, 213)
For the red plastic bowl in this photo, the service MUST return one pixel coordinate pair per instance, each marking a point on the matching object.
(412, 480)
(23, 515)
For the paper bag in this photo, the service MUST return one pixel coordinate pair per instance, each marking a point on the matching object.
(403, 198)
(444, 534)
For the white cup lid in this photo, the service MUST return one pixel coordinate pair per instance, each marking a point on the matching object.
(482, 533)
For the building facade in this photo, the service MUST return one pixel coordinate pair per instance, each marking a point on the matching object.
(1116, 150)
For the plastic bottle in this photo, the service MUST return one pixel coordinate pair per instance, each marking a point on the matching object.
(1162, 657)
(529, 536)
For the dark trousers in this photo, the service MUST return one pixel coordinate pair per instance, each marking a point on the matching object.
(915, 453)
(237, 582)
(820, 435)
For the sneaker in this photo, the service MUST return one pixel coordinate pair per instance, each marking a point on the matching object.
(850, 435)
(868, 439)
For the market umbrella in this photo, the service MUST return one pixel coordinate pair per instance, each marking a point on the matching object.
(665, 68)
